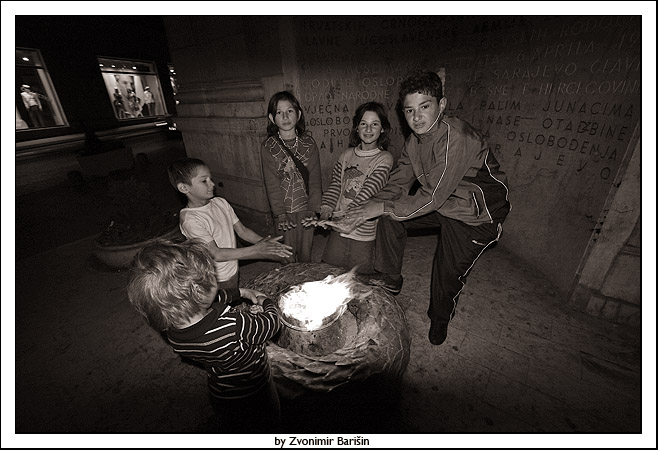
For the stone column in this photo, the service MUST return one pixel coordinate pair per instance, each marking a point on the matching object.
(608, 283)
(224, 125)
(228, 66)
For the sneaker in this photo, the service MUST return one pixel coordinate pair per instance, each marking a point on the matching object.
(438, 332)
(382, 280)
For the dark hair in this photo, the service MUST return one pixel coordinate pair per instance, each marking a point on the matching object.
(428, 83)
(272, 129)
(183, 170)
(169, 282)
(380, 110)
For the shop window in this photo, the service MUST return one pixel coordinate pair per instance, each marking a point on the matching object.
(37, 104)
(133, 88)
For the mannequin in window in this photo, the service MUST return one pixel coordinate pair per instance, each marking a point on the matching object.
(149, 102)
(33, 106)
(118, 104)
(134, 104)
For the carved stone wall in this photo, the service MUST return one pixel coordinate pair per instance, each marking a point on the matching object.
(557, 98)
(224, 74)
(224, 126)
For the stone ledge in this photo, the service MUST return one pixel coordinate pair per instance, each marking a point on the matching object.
(223, 91)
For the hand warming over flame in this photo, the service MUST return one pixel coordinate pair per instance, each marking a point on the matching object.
(310, 219)
(368, 210)
(270, 247)
(284, 223)
(338, 220)
(256, 297)
(345, 224)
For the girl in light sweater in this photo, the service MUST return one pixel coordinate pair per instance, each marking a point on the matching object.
(361, 171)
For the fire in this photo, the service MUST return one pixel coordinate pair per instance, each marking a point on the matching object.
(311, 302)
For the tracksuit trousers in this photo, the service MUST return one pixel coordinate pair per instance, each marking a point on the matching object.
(458, 248)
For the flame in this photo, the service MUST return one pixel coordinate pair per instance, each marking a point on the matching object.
(313, 301)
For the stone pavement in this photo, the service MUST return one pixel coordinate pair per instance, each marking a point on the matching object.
(516, 359)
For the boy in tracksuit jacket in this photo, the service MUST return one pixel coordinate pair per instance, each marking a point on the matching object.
(463, 193)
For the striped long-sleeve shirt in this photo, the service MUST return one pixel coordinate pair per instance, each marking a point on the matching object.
(357, 176)
(231, 346)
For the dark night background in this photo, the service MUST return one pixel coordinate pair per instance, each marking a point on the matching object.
(138, 31)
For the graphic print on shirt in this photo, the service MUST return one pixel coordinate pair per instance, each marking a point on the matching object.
(354, 182)
(291, 177)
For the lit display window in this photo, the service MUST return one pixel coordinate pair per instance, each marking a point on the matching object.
(37, 105)
(133, 88)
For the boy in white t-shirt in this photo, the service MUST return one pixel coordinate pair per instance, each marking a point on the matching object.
(212, 221)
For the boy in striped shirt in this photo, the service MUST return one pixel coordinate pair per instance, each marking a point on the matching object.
(173, 285)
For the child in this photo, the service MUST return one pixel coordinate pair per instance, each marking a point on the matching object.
(291, 169)
(173, 286)
(212, 221)
(463, 197)
(360, 172)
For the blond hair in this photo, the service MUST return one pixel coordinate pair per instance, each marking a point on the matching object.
(170, 282)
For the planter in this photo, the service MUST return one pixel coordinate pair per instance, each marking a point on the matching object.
(120, 256)
(102, 164)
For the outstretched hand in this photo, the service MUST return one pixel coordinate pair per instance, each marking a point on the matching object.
(339, 221)
(368, 210)
(284, 223)
(345, 224)
(255, 296)
(314, 222)
(271, 248)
